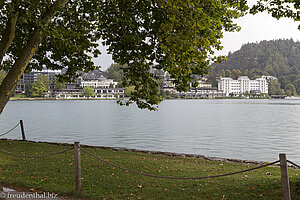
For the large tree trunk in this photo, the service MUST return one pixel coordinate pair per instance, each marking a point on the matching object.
(11, 80)
(9, 32)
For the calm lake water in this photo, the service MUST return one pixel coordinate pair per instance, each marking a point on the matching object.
(242, 129)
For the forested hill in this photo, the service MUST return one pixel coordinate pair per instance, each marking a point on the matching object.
(279, 58)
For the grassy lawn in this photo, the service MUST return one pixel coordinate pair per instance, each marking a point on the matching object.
(101, 181)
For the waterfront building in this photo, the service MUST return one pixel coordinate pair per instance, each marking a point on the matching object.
(99, 83)
(103, 87)
(270, 78)
(102, 93)
(170, 88)
(243, 85)
(201, 92)
(31, 77)
(109, 92)
(204, 90)
(204, 84)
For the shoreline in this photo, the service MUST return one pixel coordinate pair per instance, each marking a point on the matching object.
(54, 99)
(170, 154)
(102, 181)
(166, 99)
(90, 99)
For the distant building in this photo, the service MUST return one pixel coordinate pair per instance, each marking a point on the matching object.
(102, 93)
(199, 92)
(103, 83)
(169, 87)
(103, 87)
(109, 92)
(31, 77)
(202, 92)
(204, 84)
(270, 78)
(243, 85)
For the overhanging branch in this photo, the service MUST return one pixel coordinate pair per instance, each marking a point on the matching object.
(9, 32)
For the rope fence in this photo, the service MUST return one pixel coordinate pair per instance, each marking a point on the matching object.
(10, 129)
(170, 177)
(293, 164)
(283, 166)
(40, 156)
(22, 130)
(282, 160)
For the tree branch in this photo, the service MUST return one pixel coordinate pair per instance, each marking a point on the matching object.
(9, 32)
(11, 80)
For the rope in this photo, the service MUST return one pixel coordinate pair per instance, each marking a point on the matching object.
(10, 130)
(293, 163)
(170, 177)
(24, 156)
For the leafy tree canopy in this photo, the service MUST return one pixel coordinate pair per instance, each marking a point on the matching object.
(38, 89)
(177, 36)
(45, 80)
(274, 88)
(279, 8)
(129, 90)
(290, 89)
(116, 72)
(59, 85)
(88, 91)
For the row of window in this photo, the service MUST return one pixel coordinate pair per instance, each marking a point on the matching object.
(109, 91)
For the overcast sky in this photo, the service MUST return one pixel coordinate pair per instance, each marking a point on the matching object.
(254, 29)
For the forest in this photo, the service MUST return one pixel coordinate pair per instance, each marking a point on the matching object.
(278, 58)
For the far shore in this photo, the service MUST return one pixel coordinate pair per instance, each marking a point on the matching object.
(52, 99)
(63, 99)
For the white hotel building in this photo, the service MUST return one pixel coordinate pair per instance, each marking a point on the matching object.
(242, 85)
(103, 83)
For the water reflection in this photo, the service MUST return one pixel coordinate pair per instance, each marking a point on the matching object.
(242, 129)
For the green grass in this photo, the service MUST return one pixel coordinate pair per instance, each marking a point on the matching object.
(101, 181)
(19, 96)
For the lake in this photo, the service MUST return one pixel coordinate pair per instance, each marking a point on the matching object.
(248, 129)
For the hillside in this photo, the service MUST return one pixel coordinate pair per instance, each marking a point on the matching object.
(279, 58)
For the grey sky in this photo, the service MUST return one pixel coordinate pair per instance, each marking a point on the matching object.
(257, 28)
(254, 29)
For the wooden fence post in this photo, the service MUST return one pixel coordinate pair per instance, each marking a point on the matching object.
(22, 130)
(77, 167)
(284, 177)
